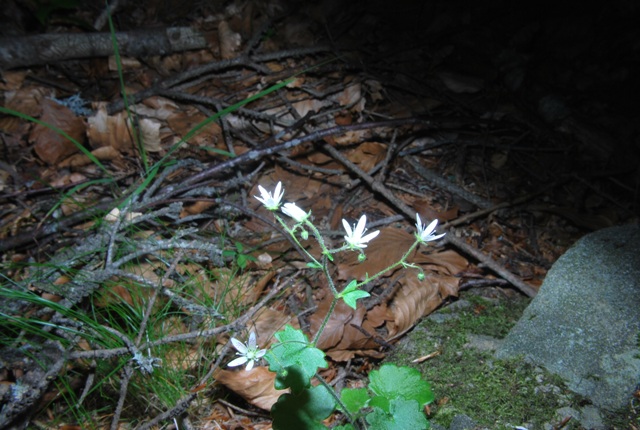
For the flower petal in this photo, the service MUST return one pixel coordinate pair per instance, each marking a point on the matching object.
(370, 236)
(239, 346)
(292, 210)
(238, 361)
(346, 226)
(249, 365)
(251, 344)
(360, 228)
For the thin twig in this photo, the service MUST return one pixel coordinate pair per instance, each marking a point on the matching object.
(449, 238)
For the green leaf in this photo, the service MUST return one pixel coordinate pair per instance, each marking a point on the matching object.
(242, 261)
(304, 410)
(354, 399)
(292, 377)
(350, 287)
(380, 402)
(294, 349)
(350, 298)
(394, 382)
(403, 414)
(314, 265)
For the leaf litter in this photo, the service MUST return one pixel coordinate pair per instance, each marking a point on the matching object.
(316, 181)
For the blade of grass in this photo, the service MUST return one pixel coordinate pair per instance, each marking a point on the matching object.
(134, 130)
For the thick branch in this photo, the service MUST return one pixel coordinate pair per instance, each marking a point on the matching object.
(49, 48)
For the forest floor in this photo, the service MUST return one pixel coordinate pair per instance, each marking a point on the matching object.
(129, 227)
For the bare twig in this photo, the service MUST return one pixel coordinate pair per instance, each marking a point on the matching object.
(449, 238)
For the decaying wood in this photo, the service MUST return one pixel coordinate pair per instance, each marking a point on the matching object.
(49, 48)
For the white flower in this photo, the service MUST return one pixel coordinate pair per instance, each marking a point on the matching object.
(426, 234)
(248, 353)
(294, 212)
(354, 237)
(271, 201)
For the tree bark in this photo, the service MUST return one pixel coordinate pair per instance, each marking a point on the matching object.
(48, 48)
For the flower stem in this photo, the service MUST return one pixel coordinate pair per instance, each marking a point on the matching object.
(334, 302)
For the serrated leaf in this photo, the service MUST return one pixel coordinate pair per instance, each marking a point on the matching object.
(403, 414)
(351, 298)
(395, 382)
(294, 349)
(354, 399)
(380, 402)
(291, 377)
(304, 410)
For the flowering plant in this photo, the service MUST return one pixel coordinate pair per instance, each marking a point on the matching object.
(395, 394)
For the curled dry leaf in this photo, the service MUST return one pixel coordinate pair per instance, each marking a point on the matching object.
(26, 100)
(334, 330)
(106, 153)
(50, 146)
(446, 262)
(255, 386)
(109, 130)
(114, 131)
(416, 298)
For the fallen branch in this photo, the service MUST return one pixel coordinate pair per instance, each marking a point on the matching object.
(50, 48)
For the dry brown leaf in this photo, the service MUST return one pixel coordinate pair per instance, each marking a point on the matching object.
(267, 322)
(105, 153)
(351, 96)
(183, 122)
(387, 249)
(355, 339)
(446, 262)
(255, 386)
(334, 330)
(367, 155)
(50, 146)
(27, 101)
(378, 315)
(415, 299)
(109, 130)
(11, 80)
(425, 208)
(196, 208)
(150, 134)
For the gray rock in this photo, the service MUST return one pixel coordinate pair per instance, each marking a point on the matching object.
(462, 422)
(584, 324)
(588, 416)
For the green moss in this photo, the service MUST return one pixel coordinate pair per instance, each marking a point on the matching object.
(497, 394)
